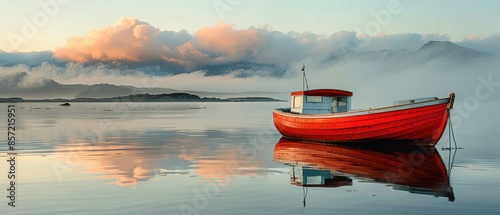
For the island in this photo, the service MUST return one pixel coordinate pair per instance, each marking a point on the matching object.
(164, 97)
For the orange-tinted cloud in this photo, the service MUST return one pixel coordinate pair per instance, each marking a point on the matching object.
(185, 55)
(229, 43)
(136, 41)
(473, 37)
(132, 40)
(128, 40)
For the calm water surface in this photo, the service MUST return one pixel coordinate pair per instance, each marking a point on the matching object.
(227, 158)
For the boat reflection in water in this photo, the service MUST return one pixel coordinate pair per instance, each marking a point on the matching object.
(416, 170)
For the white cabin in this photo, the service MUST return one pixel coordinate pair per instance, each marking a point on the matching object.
(320, 101)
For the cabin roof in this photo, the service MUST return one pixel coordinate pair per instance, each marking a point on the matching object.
(322, 92)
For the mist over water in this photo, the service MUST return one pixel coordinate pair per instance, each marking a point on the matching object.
(371, 81)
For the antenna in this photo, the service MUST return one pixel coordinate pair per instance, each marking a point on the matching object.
(304, 78)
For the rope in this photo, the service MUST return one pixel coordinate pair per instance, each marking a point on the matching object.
(452, 132)
(451, 135)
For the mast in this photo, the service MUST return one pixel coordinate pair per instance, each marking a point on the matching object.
(304, 78)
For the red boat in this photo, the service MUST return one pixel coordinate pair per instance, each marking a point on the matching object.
(325, 115)
(416, 170)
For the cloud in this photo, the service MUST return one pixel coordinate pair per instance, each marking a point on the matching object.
(134, 41)
(220, 57)
(29, 58)
(483, 43)
(128, 40)
(219, 50)
(137, 44)
(23, 80)
(226, 44)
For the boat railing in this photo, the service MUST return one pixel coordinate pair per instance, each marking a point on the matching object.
(409, 101)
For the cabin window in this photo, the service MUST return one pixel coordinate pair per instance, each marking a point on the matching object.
(342, 101)
(334, 105)
(297, 101)
(314, 99)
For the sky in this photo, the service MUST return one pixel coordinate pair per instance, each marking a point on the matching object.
(222, 44)
(457, 19)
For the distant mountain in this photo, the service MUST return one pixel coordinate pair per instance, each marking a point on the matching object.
(164, 97)
(23, 86)
(447, 50)
(105, 91)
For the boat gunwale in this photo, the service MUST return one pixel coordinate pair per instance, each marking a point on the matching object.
(359, 112)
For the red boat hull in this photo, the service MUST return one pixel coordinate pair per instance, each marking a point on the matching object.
(418, 124)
